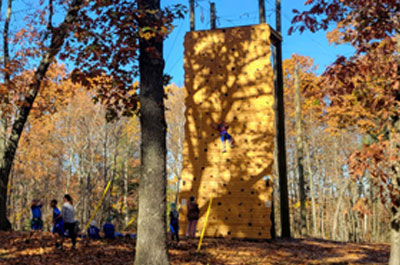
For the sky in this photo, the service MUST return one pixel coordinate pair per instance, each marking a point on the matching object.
(229, 13)
(245, 12)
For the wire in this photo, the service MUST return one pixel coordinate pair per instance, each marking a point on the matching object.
(180, 26)
(309, 35)
(174, 64)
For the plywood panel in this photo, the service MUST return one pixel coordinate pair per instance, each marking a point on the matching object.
(228, 76)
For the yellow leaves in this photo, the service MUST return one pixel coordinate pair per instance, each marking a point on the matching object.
(135, 87)
(132, 128)
(173, 181)
(362, 207)
(336, 36)
(312, 102)
(147, 33)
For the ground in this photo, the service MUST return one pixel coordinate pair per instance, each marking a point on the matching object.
(23, 248)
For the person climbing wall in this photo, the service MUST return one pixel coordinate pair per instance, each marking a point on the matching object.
(222, 127)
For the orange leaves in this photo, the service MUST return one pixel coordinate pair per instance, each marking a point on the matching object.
(40, 250)
(362, 207)
(312, 101)
(20, 248)
(361, 89)
(359, 22)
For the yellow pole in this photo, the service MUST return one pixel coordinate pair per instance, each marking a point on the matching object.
(205, 224)
(97, 206)
(130, 222)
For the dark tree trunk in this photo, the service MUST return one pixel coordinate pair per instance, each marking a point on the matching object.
(4, 223)
(151, 247)
(280, 128)
(8, 153)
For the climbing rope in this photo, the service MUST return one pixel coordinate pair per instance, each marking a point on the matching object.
(98, 205)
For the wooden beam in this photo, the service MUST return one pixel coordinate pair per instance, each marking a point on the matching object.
(261, 10)
(212, 16)
(280, 127)
(278, 25)
(192, 25)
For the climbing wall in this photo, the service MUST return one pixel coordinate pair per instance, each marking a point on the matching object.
(228, 76)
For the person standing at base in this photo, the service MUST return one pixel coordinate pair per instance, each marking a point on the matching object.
(58, 224)
(192, 216)
(93, 230)
(36, 222)
(109, 229)
(174, 222)
(68, 214)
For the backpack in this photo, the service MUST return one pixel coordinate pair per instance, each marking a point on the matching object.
(193, 212)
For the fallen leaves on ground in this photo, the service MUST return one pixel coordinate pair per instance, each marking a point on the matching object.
(38, 248)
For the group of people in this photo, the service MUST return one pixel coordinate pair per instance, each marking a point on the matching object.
(193, 214)
(108, 229)
(64, 224)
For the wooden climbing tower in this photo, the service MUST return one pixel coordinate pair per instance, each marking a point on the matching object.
(229, 77)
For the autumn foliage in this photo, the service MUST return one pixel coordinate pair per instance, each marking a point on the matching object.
(19, 248)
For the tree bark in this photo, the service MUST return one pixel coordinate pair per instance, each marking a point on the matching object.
(312, 192)
(280, 136)
(126, 192)
(300, 155)
(337, 210)
(4, 223)
(151, 245)
(7, 155)
(395, 240)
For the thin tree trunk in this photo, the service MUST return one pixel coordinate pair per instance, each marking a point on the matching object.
(300, 155)
(320, 198)
(4, 223)
(126, 190)
(151, 246)
(82, 189)
(312, 191)
(11, 190)
(7, 154)
(337, 210)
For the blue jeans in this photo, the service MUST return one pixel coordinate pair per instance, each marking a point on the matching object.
(225, 136)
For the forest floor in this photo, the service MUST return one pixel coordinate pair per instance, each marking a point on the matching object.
(23, 248)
